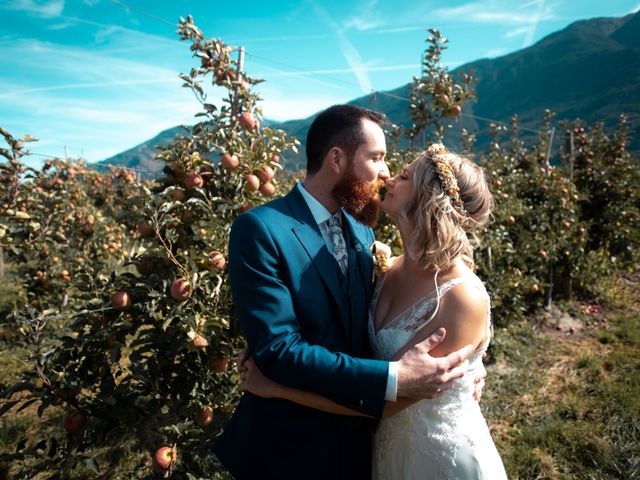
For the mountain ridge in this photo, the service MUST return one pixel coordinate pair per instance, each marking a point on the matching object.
(588, 70)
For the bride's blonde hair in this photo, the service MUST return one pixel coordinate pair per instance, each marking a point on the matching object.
(441, 231)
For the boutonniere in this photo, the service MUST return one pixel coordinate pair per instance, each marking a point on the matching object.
(382, 259)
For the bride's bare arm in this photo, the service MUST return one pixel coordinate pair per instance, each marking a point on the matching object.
(255, 382)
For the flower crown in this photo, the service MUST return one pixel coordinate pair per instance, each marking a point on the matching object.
(437, 153)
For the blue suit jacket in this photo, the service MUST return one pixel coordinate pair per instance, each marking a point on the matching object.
(305, 328)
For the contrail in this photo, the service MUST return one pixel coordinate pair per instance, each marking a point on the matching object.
(349, 51)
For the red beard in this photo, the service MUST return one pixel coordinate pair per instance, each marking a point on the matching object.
(359, 198)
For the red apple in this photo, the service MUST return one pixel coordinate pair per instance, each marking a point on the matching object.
(180, 289)
(204, 416)
(453, 111)
(253, 182)
(222, 75)
(275, 158)
(188, 217)
(248, 121)
(145, 230)
(230, 162)
(267, 189)
(164, 458)
(120, 300)
(178, 195)
(75, 422)
(218, 364)
(217, 260)
(265, 174)
(198, 342)
(207, 63)
(194, 181)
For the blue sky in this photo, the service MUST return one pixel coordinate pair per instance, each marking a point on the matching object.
(99, 78)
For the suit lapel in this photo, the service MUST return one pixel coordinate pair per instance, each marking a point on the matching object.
(308, 234)
(363, 252)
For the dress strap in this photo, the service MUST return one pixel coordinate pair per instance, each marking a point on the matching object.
(440, 292)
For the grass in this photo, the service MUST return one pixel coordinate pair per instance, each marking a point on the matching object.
(568, 407)
(560, 406)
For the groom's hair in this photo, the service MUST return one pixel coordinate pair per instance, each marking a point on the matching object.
(337, 126)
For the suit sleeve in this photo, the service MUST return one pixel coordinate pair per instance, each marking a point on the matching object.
(266, 312)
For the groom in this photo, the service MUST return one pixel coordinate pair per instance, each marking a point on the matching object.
(301, 271)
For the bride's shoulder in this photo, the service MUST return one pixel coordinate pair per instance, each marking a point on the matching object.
(467, 291)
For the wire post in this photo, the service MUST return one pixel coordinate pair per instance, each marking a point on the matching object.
(234, 106)
(572, 154)
(548, 164)
(240, 59)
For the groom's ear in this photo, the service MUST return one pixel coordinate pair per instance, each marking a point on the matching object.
(336, 160)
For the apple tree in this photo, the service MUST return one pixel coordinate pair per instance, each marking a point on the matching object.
(145, 371)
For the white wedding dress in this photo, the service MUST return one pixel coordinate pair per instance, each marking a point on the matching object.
(442, 438)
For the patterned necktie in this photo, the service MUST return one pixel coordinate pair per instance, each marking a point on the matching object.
(339, 245)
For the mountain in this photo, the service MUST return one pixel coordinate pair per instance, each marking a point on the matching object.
(589, 70)
(142, 156)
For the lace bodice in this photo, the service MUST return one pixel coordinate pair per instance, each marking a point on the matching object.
(438, 426)
(394, 335)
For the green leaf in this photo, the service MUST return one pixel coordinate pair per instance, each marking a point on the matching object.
(166, 323)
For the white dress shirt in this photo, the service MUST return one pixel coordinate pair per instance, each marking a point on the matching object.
(321, 215)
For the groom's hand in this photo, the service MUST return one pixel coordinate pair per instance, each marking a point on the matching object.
(422, 376)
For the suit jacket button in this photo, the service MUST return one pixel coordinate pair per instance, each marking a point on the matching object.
(361, 402)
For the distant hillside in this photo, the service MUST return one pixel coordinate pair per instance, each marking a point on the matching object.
(142, 156)
(589, 70)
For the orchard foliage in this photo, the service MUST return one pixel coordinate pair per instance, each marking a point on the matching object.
(143, 362)
(566, 212)
(57, 221)
(435, 96)
(562, 223)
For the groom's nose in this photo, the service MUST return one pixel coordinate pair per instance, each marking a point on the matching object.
(383, 174)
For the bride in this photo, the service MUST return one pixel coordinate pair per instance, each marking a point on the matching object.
(437, 202)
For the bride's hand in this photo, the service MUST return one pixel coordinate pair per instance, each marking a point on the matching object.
(243, 356)
(253, 381)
